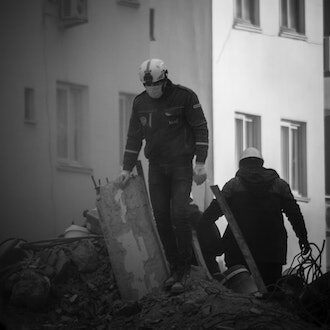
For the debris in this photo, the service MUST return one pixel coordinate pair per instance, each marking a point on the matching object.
(189, 307)
(91, 300)
(93, 221)
(73, 298)
(129, 309)
(84, 256)
(31, 290)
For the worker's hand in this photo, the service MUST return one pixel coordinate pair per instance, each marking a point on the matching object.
(199, 174)
(304, 247)
(123, 178)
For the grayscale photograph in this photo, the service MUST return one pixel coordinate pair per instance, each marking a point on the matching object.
(165, 164)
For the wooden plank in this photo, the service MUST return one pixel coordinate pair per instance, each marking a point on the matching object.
(151, 220)
(137, 260)
(198, 254)
(239, 238)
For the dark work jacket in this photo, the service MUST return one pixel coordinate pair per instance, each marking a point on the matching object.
(257, 198)
(173, 126)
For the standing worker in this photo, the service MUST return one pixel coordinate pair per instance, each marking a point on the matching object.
(171, 120)
(257, 197)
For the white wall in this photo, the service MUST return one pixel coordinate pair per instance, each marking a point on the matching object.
(273, 77)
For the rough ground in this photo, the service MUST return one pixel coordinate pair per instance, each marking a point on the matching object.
(77, 290)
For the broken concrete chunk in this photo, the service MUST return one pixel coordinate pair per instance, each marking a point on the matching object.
(31, 291)
(84, 256)
(52, 258)
(61, 263)
(49, 271)
(129, 308)
(190, 307)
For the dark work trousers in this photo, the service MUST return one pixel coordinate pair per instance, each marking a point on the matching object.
(270, 272)
(169, 188)
(209, 238)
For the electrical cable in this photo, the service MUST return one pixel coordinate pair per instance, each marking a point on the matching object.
(312, 303)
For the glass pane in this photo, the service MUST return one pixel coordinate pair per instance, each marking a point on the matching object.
(122, 126)
(247, 10)
(249, 134)
(285, 152)
(239, 138)
(239, 8)
(284, 9)
(62, 123)
(295, 161)
(293, 14)
(76, 122)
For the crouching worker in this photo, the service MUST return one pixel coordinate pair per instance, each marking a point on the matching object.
(209, 239)
(257, 196)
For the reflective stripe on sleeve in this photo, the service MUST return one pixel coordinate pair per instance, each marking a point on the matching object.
(202, 143)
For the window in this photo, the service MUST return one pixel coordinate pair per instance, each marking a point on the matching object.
(247, 12)
(248, 133)
(29, 106)
(125, 110)
(292, 17)
(71, 123)
(293, 149)
(152, 24)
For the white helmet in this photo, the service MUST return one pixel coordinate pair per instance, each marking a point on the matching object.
(152, 70)
(251, 152)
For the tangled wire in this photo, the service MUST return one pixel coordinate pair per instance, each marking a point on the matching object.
(311, 288)
(307, 267)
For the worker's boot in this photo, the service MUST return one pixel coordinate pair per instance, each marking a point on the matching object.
(181, 281)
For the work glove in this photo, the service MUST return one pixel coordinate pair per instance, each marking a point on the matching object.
(123, 178)
(199, 175)
(304, 247)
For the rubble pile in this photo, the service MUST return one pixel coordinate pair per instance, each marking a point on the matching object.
(62, 285)
(70, 285)
(208, 305)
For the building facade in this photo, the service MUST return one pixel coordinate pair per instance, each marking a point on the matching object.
(268, 93)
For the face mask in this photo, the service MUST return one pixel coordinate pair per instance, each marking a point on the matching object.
(155, 92)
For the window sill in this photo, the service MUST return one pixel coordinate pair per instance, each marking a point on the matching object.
(246, 26)
(73, 167)
(291, 34)
(302, 199)
(30, 122)
(129, 3)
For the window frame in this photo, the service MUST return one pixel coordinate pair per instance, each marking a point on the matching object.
(75, 112)
(125, 107)
(248, 21)
(300, 164)
(286, 25)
